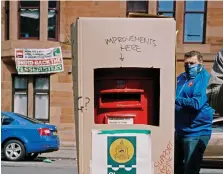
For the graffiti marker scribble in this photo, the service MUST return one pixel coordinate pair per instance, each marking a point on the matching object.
(164, 163)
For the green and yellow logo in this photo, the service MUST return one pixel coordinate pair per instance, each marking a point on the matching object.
(121, 155)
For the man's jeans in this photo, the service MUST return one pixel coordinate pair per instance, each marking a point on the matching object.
(189, 153)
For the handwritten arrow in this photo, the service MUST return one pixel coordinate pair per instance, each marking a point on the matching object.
(121, 58)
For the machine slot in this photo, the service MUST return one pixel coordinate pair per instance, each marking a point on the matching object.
(120, 97)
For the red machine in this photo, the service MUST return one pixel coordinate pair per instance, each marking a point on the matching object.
(124, 96)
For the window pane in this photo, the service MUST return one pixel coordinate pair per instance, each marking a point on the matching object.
(52, 4)
(166, 14)
(20, 83)
(165, 5)
(52, 24)
(42, 83)
(194, 24)
(218, 124)
(29, 23)
(217, 127)
(5, 120)
(137, 6)
(198, 5)
(20, 103)
(29, 3)
(41, 106)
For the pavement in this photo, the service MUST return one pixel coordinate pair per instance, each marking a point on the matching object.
(37, 167)
(58, 167)
(62, 161)
(65, 153)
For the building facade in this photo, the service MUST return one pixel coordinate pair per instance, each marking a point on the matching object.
(49, 97)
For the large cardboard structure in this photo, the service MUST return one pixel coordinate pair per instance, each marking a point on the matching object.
(124, 78)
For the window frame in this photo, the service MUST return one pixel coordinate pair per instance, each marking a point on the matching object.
(173, 11)
(35, 91)
(57, 29)
(7, 20)
(127, 5)
(204, 23)
(19, 90)
(19, 28)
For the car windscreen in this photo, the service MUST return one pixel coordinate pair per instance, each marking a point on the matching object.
(34, 121)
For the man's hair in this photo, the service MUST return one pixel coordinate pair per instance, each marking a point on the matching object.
(194, 53)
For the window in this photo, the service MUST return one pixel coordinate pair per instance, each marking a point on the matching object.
(166, 8)
(7, 6)
(6, 120)
(20, 95)
(137, 7)
(217, 126)
(39, 95)
(195, 21)
(53, 19)
(41, 98)
(29, 19)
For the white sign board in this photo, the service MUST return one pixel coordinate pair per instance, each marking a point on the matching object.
(39, 61)
(121, 152)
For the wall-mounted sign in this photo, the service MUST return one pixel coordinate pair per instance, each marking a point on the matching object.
(39, 61)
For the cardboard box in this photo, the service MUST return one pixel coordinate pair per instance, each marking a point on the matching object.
(115, 43)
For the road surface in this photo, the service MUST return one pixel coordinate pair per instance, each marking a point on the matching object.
(58, 167)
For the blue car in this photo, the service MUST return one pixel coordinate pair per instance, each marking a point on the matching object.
(25, 138)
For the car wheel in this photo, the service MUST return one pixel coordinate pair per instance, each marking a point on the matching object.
(31, 156)
(14, 150)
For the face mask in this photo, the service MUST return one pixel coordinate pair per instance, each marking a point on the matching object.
(193, 70)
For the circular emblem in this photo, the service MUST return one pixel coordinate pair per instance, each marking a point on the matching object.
(121, 150)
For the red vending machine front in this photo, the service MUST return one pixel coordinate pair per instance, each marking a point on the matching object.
(123, 96)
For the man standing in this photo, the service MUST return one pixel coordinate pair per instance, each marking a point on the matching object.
(193, 115)
(215, 86)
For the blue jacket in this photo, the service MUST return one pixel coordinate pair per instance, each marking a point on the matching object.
(193, 114)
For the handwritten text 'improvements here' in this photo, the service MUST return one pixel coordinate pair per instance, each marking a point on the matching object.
(131, 43)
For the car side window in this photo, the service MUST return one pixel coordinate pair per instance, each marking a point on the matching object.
(6, 120)
(217, 126)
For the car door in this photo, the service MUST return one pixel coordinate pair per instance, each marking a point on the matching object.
(215, 145)
(5, 126)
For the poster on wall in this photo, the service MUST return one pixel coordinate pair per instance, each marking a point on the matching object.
(121, 152)
(39, 61)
